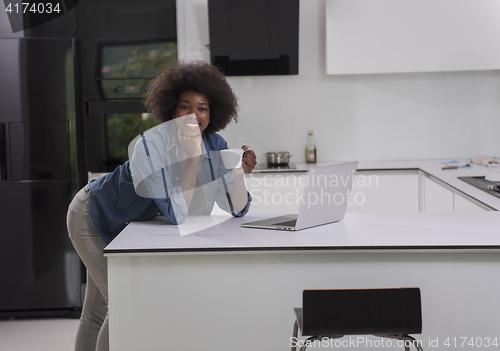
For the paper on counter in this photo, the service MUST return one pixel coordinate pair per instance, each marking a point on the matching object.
(456, 163)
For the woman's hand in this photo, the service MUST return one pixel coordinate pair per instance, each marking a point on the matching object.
(190, 146)
(249, 159)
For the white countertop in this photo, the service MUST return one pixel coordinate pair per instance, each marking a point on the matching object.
(357, 231)
(431, 167)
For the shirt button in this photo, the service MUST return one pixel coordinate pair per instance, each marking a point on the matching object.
(127, 223)
(159, 214)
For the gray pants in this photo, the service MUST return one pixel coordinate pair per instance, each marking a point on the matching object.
(93, 332)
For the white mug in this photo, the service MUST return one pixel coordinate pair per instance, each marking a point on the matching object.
(232, 158)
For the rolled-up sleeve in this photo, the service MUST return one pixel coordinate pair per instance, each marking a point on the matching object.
(223, 198)
(247, 207)
(152, 179)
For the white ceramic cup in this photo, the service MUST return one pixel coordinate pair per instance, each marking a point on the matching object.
(232, 158)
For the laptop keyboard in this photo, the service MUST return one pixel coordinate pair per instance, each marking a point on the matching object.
(287, 223)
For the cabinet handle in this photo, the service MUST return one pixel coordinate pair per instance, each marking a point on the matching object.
(3, 153)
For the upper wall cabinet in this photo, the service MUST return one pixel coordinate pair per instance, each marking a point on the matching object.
(254, 38)
(389, 36)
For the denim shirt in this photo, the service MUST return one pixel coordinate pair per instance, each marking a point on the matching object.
(114, 200)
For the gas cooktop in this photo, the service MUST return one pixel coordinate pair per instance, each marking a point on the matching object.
(492, 188)
(264, 166)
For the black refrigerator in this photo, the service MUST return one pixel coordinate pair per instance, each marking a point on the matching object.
(70, 103)
(40, 273)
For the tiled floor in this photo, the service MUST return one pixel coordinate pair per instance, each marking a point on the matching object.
(38, 334)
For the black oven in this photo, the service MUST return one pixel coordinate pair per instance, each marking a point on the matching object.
(118, 116)
(124, 44)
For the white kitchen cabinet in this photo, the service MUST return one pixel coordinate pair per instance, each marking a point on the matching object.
(373, 191)
(385, 191)
(388, 36)
(463, 204)
(437, 196)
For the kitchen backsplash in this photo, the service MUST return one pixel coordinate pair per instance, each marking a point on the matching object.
(370, 117)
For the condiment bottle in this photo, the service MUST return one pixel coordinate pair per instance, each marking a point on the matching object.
(311, 148)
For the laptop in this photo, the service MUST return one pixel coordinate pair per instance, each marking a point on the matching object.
(324, 201)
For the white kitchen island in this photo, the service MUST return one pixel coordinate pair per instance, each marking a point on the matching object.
(231, 288)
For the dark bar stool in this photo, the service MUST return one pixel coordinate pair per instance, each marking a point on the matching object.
(386, 312)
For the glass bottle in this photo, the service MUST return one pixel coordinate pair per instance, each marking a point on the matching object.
(311, 148)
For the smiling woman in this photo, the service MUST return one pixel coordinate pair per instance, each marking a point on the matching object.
(164, 93)
(192, 102)
(175, 170)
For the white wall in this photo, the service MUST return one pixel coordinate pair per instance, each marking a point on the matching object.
(362, 117)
